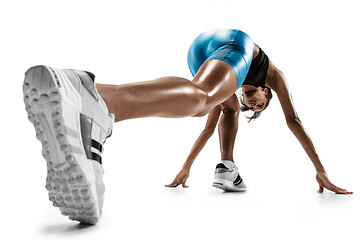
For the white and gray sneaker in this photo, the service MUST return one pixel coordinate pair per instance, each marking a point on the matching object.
(228, 178)
(72, 122)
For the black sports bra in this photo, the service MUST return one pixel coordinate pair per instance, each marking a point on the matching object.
(258, 69)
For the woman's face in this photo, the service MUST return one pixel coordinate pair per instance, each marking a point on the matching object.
(256, 99)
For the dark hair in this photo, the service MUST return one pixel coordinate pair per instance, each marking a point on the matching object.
(245, 108)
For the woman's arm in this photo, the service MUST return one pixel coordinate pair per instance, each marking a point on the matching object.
(292, 119)
(211, 123)
(279, 84)
(198, 146)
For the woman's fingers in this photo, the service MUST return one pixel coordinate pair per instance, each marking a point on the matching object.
(180, 179)
(183, 185)
(324, 182)
(173, 184)
(332, 188)
(342, 191)
(338, 190)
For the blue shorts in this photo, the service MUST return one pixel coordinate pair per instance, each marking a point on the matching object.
(229, 45)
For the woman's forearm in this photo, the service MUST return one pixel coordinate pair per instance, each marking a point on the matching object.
(198, 146)
(303, 137)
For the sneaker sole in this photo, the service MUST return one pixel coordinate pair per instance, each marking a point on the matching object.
(53, 108)
(227, 186)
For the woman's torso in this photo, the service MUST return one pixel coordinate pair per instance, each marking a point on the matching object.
(257, 73)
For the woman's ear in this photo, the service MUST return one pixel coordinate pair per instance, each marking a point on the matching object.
(265, 90)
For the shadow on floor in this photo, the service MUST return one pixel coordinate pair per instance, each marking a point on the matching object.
(67, 228)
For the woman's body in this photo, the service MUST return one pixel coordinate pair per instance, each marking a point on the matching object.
(211, 91)
(72, 121)
(229, 120)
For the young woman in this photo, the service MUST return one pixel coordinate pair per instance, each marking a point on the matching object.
(256, 94)
(73, 116)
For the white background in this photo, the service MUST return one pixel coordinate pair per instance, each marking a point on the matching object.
(315, 44)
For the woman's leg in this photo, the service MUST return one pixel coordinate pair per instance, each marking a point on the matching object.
(228, 126)
(172, 96)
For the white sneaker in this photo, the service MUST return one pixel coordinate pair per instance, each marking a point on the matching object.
(72, 123)
(228, 178)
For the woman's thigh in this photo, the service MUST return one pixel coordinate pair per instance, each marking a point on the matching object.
(218, 79)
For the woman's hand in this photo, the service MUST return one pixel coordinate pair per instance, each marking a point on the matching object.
(323, 180)
(180, 178)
